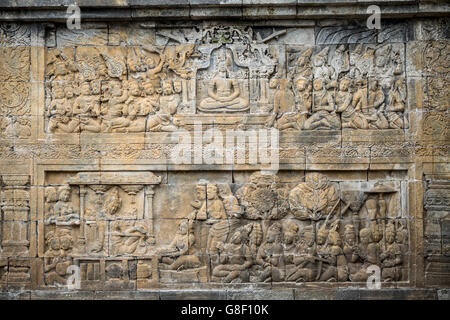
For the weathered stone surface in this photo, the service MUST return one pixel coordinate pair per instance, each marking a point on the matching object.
(223, 150)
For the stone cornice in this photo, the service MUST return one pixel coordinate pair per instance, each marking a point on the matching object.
(102, 10)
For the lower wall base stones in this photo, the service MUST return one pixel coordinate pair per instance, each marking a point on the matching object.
(281, 294)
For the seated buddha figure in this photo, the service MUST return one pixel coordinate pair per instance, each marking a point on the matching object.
(224, 95)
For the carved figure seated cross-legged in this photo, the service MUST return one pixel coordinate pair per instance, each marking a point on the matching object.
(224, 95)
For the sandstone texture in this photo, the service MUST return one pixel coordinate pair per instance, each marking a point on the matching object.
(118, 173)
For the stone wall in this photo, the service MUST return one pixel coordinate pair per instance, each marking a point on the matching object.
(117, 165)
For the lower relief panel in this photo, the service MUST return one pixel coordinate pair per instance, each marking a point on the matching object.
(143, 230)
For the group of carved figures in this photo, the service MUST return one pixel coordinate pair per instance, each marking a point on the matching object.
(283, 249)
(114, 107)
(263, 232)
(323, 104)
(317, 89)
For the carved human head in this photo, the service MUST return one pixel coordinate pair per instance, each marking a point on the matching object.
(52, 241)
(290, 232)
(308, 236)
(135, 88)
(365, 235)
(58, 92)
(64, 193)
(66, 240)
(51, 195)
(322, 236)
(222, 67)
(224, 190)
(390, 233)
(68, 92)
(377, 232)
(177, 86)
(318, 84)
(183, 227)
(236, 238)
(85, 88)
(150, 62)
(211, 191)
(273, 83)
(349, 235)
(320, 58)
(167, 87)
(334, 238)
(273, 233)
(149, 88)
(201, 191)
(344, 84)
(400, 236)
(302, 84)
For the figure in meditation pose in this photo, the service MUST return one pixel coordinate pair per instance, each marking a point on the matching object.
(235, 259)
(224, 95)
(180, 253)
(324, 112)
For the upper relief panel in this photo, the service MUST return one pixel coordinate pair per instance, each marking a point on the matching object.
(139, 78)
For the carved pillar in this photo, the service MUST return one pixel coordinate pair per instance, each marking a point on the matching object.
(83, 191)
(148, 214)
(15, 204)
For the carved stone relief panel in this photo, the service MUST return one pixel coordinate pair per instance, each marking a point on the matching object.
(129, 230)
(229, 70)
(88, 183)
